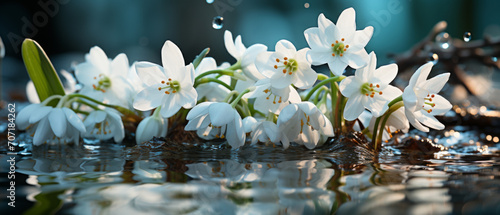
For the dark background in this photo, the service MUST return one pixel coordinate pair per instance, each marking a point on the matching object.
(69, 28)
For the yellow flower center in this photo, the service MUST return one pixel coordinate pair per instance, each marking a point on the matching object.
(287, 65)
(338, 48)
(103, 83)
(170, 86)
(369, 89)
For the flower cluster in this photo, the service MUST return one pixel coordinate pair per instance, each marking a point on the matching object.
(271, 96)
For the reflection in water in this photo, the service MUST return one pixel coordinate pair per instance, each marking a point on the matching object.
(101, 180)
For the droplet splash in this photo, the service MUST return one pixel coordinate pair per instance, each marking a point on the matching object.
(467, 36)
(434, 58)
(443, 40)
(218, 22)
(210, 1)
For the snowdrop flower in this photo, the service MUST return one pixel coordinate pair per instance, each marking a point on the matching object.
(271, 99)
(338, 45)
(267, 131)
(369, 88)
(104, 79)
(104, 124)
(246, 56)
(169, 87)
(212, 91)
(303, 123)
(151, 126)
(49, 124)
(217, 120)
(287, 66)
(421, 100)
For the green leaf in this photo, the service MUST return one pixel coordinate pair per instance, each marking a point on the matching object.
(41, 71)
(198, 58)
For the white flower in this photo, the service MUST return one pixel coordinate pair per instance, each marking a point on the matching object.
(303, 123)
(49, 124)
(271, 99)
(287, 66)
(170, 86)
(338, 45)
(369, 88)
(104, 79)
(421, 100)
(217, 120)
(105, 124)
(212, 91)
(151, 126)
(267, 131)
(243, 55)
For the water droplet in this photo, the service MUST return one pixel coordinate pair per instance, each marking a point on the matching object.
(434, 58)
(443, 40)
(306, 5)
(494, 59)
(218, 22)
(210, 1)
(467, 36)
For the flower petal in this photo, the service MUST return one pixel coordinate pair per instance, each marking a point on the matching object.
(429, 120)
(337, 66)
(435, 84)
(198, 110)
(320, 57)
(119, 65)
(22, 120)
(349, 86)
(39, 114)
(360, 39)
(188, 97)
(170, 105)
(150, 73)
(441, 105)
(74, 120)
(57, 121)
(171, 57)
(354, 107)
(287, 113)
(231, 48)
(385, 74)
(347, 22)
(149, 98)
(313, 38)
(42, 132)
(413, 120)
(357, 59)
(220, 113)
(98, 58)
(235, 135)
(421, 74)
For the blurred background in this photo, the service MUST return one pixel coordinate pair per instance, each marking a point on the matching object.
(67, 29)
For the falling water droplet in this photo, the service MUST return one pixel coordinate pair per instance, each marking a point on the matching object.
(218, 22)
(434, 58)
(306, 5)
(443, 40)
(467, 36)
(210, 1)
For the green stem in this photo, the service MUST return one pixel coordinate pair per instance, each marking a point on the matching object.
(375, 132)
(322, 77)
(229, 95)
(217, 71)
(122, 110)
(50, 98)
(324, 82)
(316, 97)
(392, 108)
(207, 80)
(237, 99)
